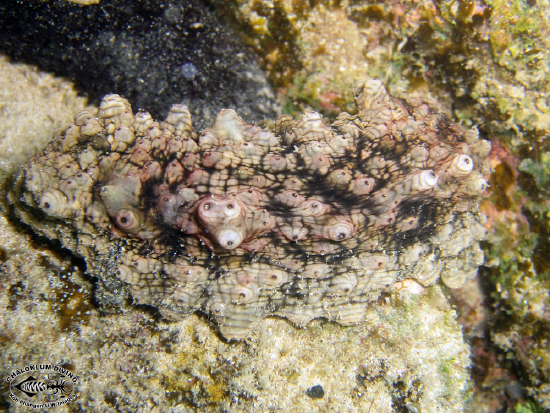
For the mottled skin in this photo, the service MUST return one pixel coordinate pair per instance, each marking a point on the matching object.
(308, 221)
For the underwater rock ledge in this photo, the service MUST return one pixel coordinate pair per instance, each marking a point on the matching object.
(304, 222)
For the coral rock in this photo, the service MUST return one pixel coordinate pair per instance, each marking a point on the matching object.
(242, 223)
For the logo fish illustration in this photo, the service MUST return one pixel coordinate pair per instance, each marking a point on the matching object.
(31, 386)
(42, 385)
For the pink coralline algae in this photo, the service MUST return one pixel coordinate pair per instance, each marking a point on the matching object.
(242, 223)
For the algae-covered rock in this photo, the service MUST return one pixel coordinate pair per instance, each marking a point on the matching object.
(519, 250)
(488, 61)
(313, 50)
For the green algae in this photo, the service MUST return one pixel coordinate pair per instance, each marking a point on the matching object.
(539, 170)
(527, 407)
(519, 250)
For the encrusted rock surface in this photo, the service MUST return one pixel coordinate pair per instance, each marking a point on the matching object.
(34, 105)
(309, 221)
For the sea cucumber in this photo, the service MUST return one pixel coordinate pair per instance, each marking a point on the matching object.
(241, 223)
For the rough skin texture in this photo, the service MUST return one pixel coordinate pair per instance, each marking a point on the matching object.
(241, 223)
